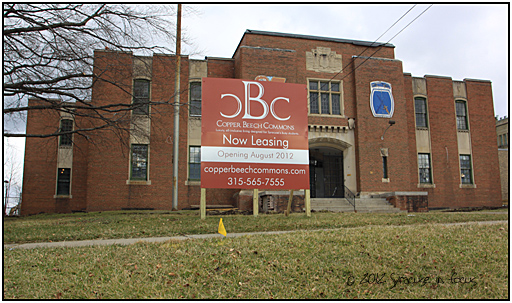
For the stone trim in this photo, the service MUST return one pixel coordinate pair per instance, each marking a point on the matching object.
(138, 182)
(328, 128)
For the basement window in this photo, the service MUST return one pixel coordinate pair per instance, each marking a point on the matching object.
(194, 163)
(465, 169)
(424, 168)
(63, 181)
(139, 162)
(385, 167)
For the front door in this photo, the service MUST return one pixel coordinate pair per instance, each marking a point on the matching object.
(326, 173)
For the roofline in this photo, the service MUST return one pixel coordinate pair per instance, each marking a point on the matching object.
(309, 37)
(216, 58)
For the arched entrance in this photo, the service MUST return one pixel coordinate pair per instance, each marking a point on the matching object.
(326, 175)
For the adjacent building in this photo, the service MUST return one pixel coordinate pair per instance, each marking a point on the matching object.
(502, 130)
(373, 129)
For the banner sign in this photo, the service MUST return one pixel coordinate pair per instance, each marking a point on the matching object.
(254, 135)
(381, 99)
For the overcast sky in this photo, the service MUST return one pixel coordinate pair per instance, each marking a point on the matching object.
(458, 40)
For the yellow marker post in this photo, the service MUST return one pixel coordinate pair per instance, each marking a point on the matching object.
(222, 230)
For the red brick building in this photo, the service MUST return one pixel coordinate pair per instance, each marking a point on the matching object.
(372, 128)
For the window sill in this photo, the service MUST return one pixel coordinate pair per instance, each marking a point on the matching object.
(467, 185)
(193, 182)
(421, 128)
(385, 180)
(66, 146)
(138, 182)
(62, 196)
(327, 115)
(426, 185)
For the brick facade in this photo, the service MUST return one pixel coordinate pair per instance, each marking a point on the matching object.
(411, 202)
(504, 174)
(100, 168)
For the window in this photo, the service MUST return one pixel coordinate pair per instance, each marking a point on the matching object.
(503, 140)
(139, 162)
(63, 181)
(420, 107)
(141, 97)
(325, 97)
(465, 169)
(462, 121)
(195, 99)
(424, 168)
(66, 125)
(194, 163)
(385, 167)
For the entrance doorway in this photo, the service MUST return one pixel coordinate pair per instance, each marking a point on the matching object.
(326, 173)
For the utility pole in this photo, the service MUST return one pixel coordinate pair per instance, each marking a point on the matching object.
(177, 113)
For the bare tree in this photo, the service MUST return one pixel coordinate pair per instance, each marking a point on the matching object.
(12, 174)
(49, 55)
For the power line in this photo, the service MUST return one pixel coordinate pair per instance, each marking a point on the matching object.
(374, 42)
(366, 59)
(411, 22)
(396, 22)
(380, 46)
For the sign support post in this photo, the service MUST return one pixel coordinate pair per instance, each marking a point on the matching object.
(289, 207)
(307, 202)
(202, 205)
(255, 202)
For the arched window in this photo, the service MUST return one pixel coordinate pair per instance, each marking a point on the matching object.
(66, 125)
(462, 116)
(141, 97)
(420, 108)
(195, 99)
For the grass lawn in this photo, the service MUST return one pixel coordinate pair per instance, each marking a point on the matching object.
(137, 224)
(377, 262)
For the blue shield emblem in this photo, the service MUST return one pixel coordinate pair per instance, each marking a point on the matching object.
(381, 99)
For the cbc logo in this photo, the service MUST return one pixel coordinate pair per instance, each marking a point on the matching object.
(248, 100)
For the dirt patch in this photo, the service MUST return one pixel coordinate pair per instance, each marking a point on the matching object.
(468, 209)
(215, 212)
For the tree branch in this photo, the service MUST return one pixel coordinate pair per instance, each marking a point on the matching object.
(43, 27)
(49, 55)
